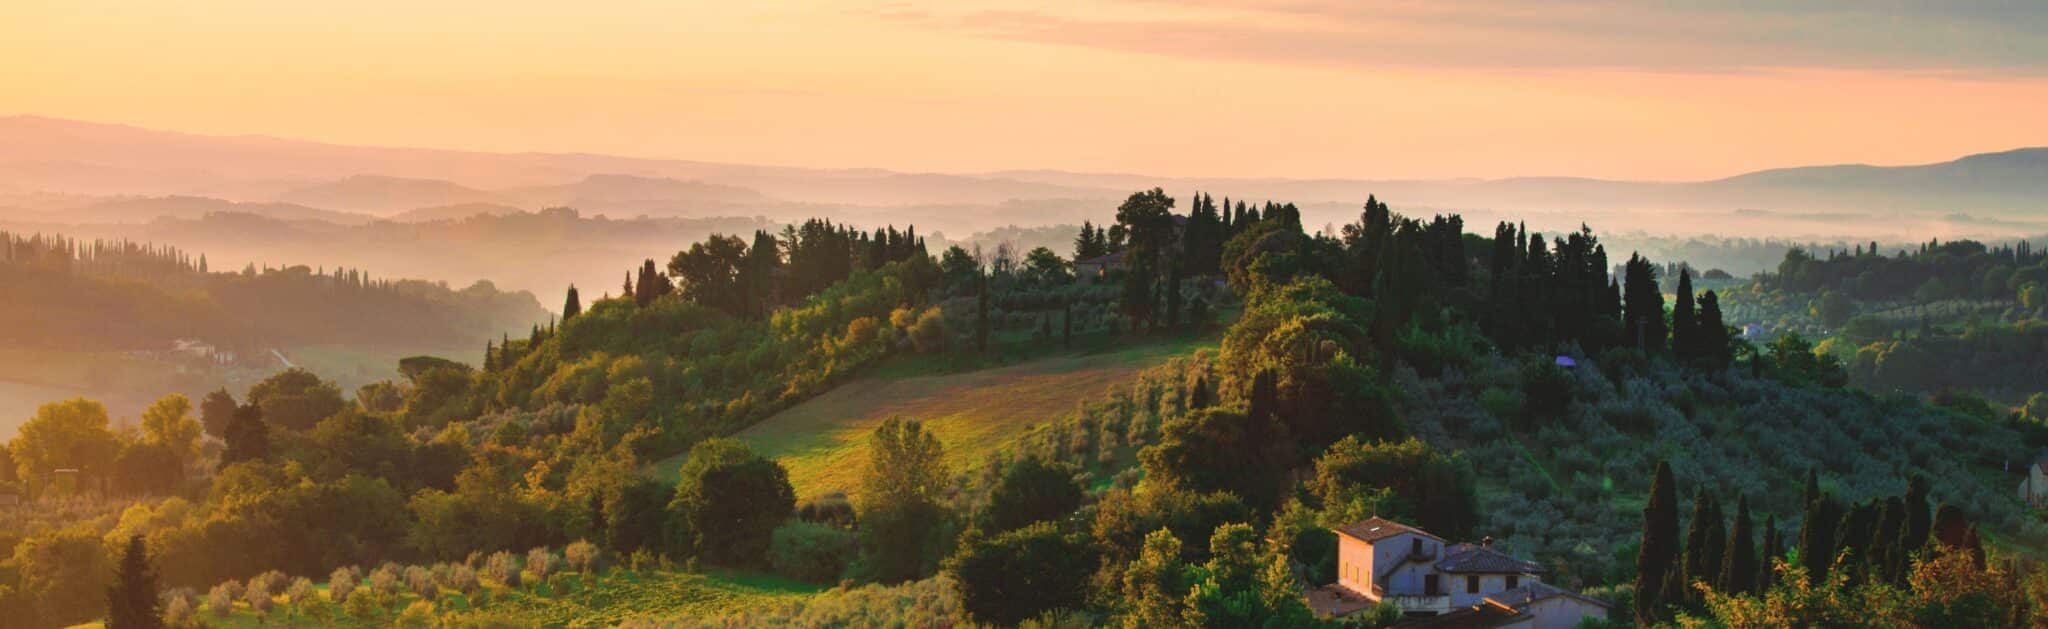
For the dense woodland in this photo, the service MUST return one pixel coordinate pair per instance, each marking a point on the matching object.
(117, 295)
(1956, 316)
(1399, 366)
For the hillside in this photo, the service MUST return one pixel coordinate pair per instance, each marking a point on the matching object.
(976, 414)
(372, 194)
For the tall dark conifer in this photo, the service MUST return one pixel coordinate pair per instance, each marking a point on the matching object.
(1817, 530)
(571, 306)
(1684, 320)
(1643, 319)
(1738, 563)
(1657, 557)
(1774, 550)
(132, 601)
(1702, 564)
(1712, 341)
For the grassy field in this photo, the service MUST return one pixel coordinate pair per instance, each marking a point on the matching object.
(823, 441)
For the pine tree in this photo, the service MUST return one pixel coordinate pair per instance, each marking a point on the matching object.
(132, 601)
(1657, 557)
(572, 306)
(1738, 565)
(627, 292)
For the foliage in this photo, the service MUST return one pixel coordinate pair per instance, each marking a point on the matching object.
(1019, 574)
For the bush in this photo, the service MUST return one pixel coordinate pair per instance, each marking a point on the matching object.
(341, 582)
(220, 601)
(581, 556)
(418, 615)
(811, 551)
(504, 568)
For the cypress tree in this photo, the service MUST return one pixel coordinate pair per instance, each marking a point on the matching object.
(1643, 319)
(572, 306)
(1766, 571)
(628, 290)
(1658, 553)
(132, 601)
(1884, 542)
(1264, 403)
(1173, 296)
(1919, 521)
(1738, 565)
(1711, 343)
(981, 313)
(1852, 537)
(1684, 321)
(1701, 563)
(1067, 324)
(1817, 530)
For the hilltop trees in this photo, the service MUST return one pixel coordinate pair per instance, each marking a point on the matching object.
(295, 399)
(248, 437)
(571, 305)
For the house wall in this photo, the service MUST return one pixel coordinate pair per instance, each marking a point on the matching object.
(1354, 564)
(1489, 585)
(1408, 578)
(1562, 612)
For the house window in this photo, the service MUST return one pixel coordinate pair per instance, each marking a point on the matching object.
(1472, 584)
(1429, 585)
(1416, 546)
(1513, 581)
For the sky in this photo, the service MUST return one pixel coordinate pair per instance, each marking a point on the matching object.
(1253, 88)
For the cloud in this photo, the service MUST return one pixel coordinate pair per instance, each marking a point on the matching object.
(1962, 38)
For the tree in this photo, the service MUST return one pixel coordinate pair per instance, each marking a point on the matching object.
(1684, 320)
(1155, 585)
(295, 399)
(731, 500)
(1013, 576)
(1658, 554)
(132, 601)
(637, 517)
(1090, 244)
(216, 411)
(1739, 564)
(710, 271)
(1433, 489)
(248, 437)
(1703, 538)
(757, 277)
(1046, 268)
(1030, 490)
(899, 509)
(1643, 316)
(1817, 529)
(572, 306)
(71, 434)
(1773, 551)
(1713, 347)
(168, 422)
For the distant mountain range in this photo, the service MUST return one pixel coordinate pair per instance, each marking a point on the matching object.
(162, 172)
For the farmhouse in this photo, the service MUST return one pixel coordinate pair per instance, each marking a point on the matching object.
(1435, 583)
(1098, 267)
(2034, 487)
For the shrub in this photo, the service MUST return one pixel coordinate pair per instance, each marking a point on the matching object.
(832, 508)
(541, 562)
(300, 591)
(462, 579)
(421, 582)
(581, 556)
(341, 582)
(179, 612)
(384, 581)
(418, 615)
(504, 568)
(361, 605)
(221, 599)
(811, 551)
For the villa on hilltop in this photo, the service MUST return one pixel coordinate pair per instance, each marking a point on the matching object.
(1438, 584)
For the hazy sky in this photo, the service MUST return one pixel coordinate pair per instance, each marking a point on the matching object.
(1294, 88)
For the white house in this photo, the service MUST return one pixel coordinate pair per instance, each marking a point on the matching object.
(2034, 488)
(1436, 583)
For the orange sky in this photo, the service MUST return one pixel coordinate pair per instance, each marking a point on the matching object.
(1303, 88)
